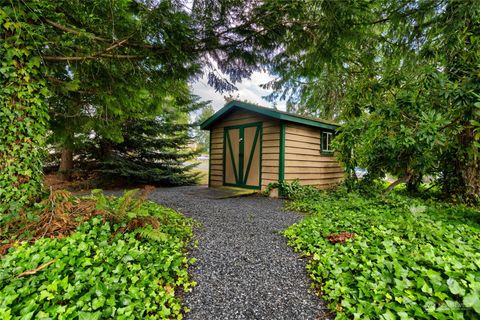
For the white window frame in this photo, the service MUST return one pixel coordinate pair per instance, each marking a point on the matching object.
(328, 147)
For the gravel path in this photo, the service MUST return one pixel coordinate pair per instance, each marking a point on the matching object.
(244, 268)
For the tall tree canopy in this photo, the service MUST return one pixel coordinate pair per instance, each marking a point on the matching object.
(72, 59)
(401, 75)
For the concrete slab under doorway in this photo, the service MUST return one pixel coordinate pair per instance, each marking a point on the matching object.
(223, 192)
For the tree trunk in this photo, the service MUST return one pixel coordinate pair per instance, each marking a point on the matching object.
(105, 149)
(66, 163)
(469, 168)
(461, 68)
(404, 179)
(414, 183)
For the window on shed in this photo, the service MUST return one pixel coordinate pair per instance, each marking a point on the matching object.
(326, 142)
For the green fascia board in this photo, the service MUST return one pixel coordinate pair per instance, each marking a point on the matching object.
(272, 113)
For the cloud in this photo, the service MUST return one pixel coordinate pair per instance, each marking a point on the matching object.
(248, 89)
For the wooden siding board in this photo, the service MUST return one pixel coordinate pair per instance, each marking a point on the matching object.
(272, 128)
(313, 176)
(313, 170)
(304, 161)
(301, 129)
(317, 182)
(270, 156)
(315, 164)
(270, 163)
(271, 143)
(302, 145)
(308, 139)
(236, 122)
(270, 176)
(297, 134)
(313, 158)
(302, 151)
(273, 149)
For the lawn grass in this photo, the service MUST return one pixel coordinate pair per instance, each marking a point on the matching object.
(203, 178)
(409, 258)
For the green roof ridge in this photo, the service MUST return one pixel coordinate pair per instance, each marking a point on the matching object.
(269, 112)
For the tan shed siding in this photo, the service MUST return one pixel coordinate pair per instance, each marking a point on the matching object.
(304, 161)
(270, 146)
(216, 158)
(270, 152)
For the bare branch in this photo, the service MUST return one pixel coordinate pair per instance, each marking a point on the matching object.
(30, 272)
(74, 31)
(101, 39)
(93, 57)
(404, 179)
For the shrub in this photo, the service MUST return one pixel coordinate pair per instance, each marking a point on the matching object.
(290, 190)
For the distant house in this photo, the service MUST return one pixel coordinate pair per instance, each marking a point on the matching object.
(252, 146)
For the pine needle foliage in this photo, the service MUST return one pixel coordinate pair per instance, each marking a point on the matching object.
(154, 150)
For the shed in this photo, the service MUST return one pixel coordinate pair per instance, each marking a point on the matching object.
(253, 146)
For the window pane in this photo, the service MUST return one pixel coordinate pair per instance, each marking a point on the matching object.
(324, 141)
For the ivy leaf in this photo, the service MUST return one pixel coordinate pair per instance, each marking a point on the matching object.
(89, 315)
(472, 300)
(455, 287)
(388, 315)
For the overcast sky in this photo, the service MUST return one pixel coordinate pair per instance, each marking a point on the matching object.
(248, 89)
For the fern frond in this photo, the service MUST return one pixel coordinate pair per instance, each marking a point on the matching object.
(153, 234)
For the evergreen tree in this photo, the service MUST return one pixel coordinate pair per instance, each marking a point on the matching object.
(154, 149)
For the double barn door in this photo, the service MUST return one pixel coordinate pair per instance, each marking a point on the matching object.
(242, 155)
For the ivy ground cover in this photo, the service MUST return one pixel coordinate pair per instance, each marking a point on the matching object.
(120, 268)
(407, 259)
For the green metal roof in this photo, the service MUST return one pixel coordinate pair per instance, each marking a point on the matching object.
(272, 113)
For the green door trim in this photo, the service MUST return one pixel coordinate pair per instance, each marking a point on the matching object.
(281, 159)
(241, 154)
(239, 178)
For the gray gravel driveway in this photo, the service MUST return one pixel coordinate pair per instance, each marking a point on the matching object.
(244, 268)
